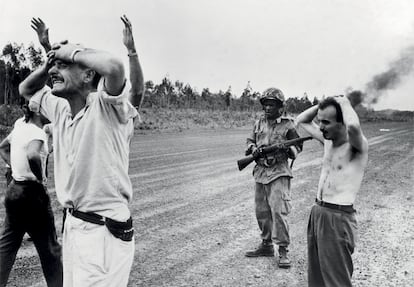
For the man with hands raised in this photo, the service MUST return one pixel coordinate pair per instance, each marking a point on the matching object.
(332, 223)
(90, 108)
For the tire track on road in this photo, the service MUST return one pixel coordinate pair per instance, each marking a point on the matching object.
(191, 256)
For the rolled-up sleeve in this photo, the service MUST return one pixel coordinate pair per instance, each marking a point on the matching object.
(44, 102)
(121, 105)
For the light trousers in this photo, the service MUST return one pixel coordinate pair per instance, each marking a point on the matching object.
(92, 256)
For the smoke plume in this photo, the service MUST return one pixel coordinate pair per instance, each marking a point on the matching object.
(388, 80)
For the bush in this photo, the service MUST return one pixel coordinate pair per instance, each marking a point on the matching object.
(9, 114)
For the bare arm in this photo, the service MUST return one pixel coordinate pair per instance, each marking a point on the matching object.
(136, 76)
(5, 150)
(33, 156)
(305, 120)
(42, 33)
(35, 81)
(103, 63)
(355, 136)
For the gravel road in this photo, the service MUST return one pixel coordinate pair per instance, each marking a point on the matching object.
(194, 213)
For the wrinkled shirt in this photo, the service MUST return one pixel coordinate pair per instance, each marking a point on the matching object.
(270, 132)
(91, 151)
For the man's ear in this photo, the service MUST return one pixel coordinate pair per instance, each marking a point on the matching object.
(88, 76)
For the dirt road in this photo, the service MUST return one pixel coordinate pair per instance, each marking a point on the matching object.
(194, 213)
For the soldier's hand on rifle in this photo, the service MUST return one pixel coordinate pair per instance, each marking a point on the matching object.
(257, 152)
(249, 150)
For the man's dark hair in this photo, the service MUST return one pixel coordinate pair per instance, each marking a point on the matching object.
(28, 114)
(330, 101)
(24, 105)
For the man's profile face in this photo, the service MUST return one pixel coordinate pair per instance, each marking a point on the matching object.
(272, 109)
(328, 125)
(66, 78)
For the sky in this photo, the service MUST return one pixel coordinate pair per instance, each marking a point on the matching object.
(321, 47)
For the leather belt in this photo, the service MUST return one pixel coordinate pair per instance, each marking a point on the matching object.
(346, 208)
(87, 216)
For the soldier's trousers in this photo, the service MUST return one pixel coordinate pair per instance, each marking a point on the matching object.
(28, 210)
(272, 203)
(331, 242)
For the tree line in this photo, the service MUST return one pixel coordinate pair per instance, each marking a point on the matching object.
(17, 61)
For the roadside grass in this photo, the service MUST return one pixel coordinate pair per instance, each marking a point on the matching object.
(177, 120)
(157, 119)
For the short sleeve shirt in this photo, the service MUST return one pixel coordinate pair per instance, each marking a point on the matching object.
(22, 134)
(91, 150)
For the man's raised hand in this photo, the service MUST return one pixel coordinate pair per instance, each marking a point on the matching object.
(65, 51)
(128, 38)
(42, 32)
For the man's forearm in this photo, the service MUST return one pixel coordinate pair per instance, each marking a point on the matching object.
(35, 164)
(5, 156)
(100, 61)
(349, 115)
(46, 46)
(308, 115)
(5, 150)
(34, 82)
(137, 79)
(106, 65)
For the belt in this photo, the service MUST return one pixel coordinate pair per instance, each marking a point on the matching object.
(119, 229)
(87, 216)
(25, 181)
(346, 208)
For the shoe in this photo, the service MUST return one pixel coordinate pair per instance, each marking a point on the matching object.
(265, 249)
(284, 261)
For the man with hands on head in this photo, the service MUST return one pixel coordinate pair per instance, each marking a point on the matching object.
(92, 116)
(332, 223)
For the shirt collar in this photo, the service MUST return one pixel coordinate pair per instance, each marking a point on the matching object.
(81, 113)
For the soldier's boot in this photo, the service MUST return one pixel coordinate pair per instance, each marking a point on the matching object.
(284, 261)
(265, 249)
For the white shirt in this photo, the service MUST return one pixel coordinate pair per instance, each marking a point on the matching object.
(20, 137)
(91, 151)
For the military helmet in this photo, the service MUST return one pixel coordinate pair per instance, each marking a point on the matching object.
(272, 94)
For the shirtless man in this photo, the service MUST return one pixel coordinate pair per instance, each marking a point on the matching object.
(332, 224)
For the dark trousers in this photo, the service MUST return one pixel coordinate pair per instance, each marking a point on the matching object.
(28, 210)
(8, 176)
(331, 242)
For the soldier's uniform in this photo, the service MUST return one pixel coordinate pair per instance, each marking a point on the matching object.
(272, 175)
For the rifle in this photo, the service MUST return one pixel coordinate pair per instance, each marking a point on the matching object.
(242, 163)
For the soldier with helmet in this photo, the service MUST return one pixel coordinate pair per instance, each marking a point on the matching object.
(272, 175)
